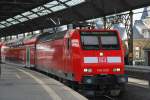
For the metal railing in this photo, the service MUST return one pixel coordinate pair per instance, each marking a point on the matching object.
(139, 72)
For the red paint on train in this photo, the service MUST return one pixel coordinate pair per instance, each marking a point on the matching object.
(87, 56)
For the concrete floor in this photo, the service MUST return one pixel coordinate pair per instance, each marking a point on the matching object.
(18, 83)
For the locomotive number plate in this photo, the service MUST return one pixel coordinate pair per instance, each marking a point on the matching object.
(103, 70)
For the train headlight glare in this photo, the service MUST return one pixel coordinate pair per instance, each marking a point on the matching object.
(89, 81)
(116, 69)
(88, 70)
(101, 54)
(122, 80)
(85, 70)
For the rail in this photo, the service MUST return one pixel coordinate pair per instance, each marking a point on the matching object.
(139, 72)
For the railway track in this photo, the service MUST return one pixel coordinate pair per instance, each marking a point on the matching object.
(104, 97)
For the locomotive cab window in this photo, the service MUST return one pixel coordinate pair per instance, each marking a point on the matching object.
(99, 40)
(90, 42)
(109, 42)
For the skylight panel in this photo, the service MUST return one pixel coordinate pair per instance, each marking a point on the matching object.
(3, 22)
(38, 9)
(51, 4)
(8, 24)
(10, 19)
(2, 26)
(23, 19)
(48, 8)
(74, 2)
(58, 8)
(15, 22)
(32, 16)
(44, 12)
(64, 0)
(18, 16)
(27, 13)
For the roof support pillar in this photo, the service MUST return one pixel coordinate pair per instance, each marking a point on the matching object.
(130, 39)
(17, 36)
(11, 37)
(24, 35)
(104, 22)
(41, 31)
(70, 26)
(5, 38)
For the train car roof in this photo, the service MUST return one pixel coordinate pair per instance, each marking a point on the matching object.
(30, 39)
(48, 36)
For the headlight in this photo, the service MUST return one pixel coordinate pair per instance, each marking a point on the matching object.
(88, 70)
(122, 80)
(116, 69)
(88, 79)
(85, 70)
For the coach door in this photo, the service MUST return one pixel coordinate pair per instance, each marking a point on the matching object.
(27, 57)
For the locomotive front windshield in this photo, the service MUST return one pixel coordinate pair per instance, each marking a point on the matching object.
(90, 42)
(99, 40)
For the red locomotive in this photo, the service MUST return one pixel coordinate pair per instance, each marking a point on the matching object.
(88, 57)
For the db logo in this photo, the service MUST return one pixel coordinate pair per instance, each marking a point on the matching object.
(102, 59)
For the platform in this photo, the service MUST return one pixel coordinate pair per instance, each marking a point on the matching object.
(18, 83)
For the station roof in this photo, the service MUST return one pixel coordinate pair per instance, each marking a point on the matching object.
(19, 16)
